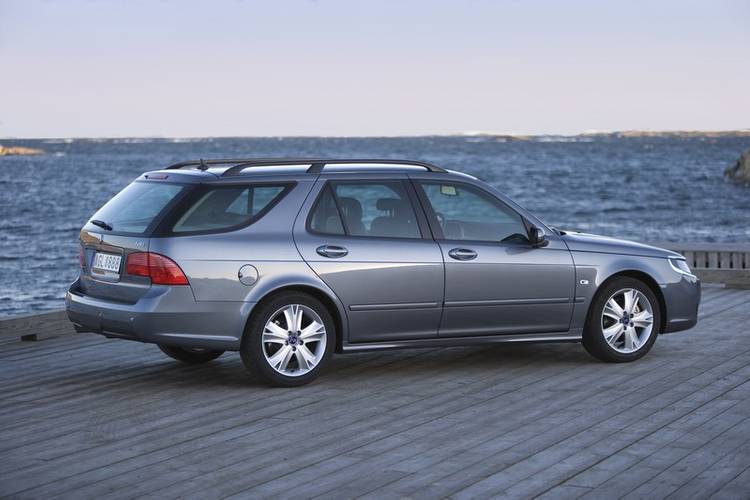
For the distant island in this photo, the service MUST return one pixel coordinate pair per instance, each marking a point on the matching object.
(673, 133)
(18, 150)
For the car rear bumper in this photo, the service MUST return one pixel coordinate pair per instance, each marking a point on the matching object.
(165, 315)
(681, 299)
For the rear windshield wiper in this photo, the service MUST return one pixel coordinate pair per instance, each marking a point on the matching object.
(101, 224)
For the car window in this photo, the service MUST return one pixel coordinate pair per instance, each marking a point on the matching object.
(467, 213)
(134, 208)
(226, 207)
(376, 209)
(326, 217)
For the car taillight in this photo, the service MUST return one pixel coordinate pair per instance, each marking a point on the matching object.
(82, 257)
(162, 270)
(137, 264)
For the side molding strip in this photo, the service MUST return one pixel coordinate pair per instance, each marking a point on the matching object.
(509, 302)
(391, 307)
(572, 336)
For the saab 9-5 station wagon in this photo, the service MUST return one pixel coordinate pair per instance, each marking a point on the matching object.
(287, 261)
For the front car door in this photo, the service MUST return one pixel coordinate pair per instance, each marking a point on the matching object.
(496, 282)
(370, 243)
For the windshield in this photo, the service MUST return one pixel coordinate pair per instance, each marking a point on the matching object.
(134, 208)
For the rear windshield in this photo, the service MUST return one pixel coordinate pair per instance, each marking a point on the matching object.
(229, 207)
(134, 208)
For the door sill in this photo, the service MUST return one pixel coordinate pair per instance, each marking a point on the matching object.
(570, 336)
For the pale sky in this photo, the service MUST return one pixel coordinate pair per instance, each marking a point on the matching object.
(355, 68)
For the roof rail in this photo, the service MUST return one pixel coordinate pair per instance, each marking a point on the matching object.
(204, 164)
(316, 164)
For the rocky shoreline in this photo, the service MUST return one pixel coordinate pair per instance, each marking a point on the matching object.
(740, 171)
(19, 150)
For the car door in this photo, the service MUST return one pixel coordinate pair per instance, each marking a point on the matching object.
(496, 282)
(370, 244)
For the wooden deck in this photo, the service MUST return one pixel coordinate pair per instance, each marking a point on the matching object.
(84, 417)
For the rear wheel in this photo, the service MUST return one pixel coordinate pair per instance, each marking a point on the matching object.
(190, 355)
(623, 321)
(288, 340)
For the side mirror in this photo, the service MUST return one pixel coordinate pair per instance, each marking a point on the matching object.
(537, 237)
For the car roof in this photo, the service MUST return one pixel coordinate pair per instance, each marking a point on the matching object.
(234, 169)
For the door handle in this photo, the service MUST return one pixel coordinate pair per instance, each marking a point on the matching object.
(331, 251)
(462, 254)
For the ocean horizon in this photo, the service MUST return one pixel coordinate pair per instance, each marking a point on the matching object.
(468, 133)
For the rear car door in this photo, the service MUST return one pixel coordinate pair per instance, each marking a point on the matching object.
(496, 282)
(369, 242)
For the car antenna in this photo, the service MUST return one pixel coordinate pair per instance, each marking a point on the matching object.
(203, 165)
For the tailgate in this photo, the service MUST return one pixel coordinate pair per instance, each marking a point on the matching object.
(103, 274)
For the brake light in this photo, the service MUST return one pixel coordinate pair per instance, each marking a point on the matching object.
(137, 264)
(81, 257)
(162, 270)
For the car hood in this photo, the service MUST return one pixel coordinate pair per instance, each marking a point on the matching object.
(582, 242)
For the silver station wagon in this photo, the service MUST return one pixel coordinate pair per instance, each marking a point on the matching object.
(287, 261)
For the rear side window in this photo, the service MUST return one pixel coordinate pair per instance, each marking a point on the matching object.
(376, 209)
(134, 208)
(228, 207)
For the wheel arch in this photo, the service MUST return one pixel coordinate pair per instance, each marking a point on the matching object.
(327, 298)
(646, 279)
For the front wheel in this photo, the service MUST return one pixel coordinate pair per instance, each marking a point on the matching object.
(623, 321)
(288, 340)
(191, 356)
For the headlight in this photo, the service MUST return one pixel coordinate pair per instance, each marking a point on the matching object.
(680, 266)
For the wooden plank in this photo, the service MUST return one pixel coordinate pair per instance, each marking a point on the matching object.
(738, 260)
(713, 260)
(689, 258)
(633, 464)
(488, 479)
(335, 439)
(701, 260)
(716, 247)
(709, 450)
(719, 474)
(730, 277)
(535, 473)
(734, 489)
(725, 259)
(728, 300)
(81, 416)
(35, 326)
(472, 467)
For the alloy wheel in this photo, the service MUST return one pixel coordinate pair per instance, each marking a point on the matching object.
(294, 340)
(627, 320)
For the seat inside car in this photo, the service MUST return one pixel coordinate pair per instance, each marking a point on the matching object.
(398, 222)
(352, 209)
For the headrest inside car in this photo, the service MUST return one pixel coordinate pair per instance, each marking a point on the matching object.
(389, 204)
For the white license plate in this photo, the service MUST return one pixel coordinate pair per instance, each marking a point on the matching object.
(107, 262)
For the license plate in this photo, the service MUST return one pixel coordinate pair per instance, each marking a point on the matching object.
(106, 263)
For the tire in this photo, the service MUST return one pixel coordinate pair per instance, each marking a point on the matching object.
(191, 356)
(602, 325)
(288, 357)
